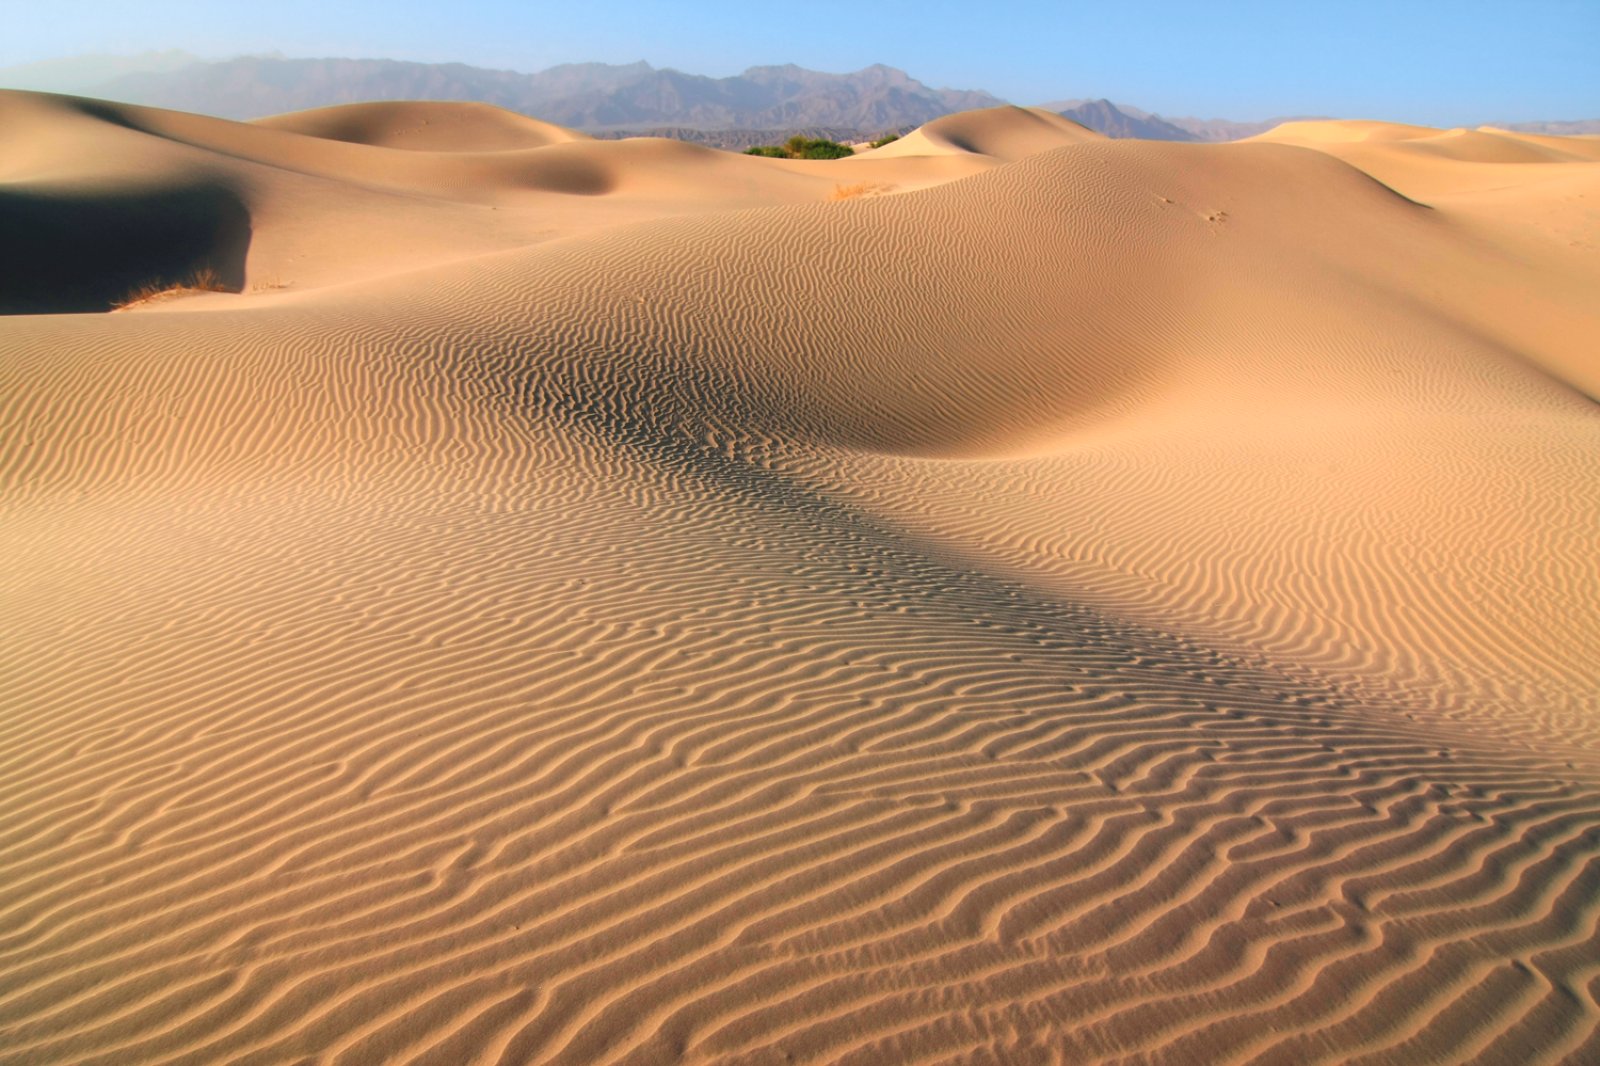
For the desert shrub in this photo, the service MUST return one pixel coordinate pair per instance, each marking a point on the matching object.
(860, 189)
(881, 141)
(820, 149)
(799, 147)
(202, 280)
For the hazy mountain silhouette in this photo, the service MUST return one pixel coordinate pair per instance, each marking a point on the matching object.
(593, 96)
(1114, 121)
(747, 108)
(75, 74)
(1125, 120)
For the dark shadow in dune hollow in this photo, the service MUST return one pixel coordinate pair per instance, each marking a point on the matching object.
(66, 253)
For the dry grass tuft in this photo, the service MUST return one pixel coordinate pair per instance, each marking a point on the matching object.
(270, 283)
(203, 280)
(860, 189)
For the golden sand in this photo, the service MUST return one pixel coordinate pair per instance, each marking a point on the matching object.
(621, 602)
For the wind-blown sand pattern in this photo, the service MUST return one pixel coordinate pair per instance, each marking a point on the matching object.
(620, 602)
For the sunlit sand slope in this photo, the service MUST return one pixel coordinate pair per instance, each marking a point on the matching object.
(1027, 598)
(424, 126)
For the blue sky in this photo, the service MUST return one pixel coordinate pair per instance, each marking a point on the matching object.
(1440, 63)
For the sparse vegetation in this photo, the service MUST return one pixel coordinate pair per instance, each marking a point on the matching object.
(801, 147)
(268, 284)
(889, 139)
(860, 189)
(203, 280)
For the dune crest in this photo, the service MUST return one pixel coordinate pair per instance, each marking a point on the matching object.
(1003, 133)
(1009, 596)
(425, 126)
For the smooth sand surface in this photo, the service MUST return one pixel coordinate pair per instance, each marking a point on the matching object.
(1010, 596)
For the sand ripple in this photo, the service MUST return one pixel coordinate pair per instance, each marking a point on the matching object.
(1098, 609)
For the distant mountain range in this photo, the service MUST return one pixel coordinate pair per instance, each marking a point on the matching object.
(591, 96)
(605, 99)
(80, 74)
(1125, 120)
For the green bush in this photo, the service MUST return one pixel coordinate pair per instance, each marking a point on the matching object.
(881, 141)
(825, 150)
(798, 147)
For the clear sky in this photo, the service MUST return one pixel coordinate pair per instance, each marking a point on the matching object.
(1443, 62)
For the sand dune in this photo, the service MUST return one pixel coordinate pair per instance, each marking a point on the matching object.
(1010, 596)
(1006, 134)
(1407, 156)
(425, 126)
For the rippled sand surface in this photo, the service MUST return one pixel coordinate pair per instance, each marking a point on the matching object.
(1011, 596)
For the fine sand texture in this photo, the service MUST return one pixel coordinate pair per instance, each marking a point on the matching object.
(495, 596)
